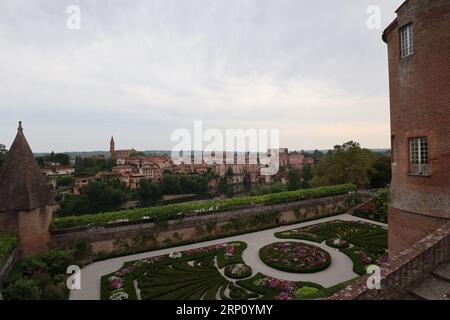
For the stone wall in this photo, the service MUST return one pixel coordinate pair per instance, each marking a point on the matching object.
(405, 269)
(125, 238)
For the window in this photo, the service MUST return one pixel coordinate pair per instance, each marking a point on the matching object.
(418, 156)
(406, 41)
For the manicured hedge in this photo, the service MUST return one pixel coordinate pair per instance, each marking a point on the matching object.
(7, 245)
(174, 211)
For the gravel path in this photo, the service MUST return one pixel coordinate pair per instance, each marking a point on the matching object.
(339, 271)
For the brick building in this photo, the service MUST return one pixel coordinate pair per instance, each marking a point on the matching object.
(26, 203)
(419, 75)
(119, 154)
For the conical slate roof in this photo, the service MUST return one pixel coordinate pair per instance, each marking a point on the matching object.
(22, 184)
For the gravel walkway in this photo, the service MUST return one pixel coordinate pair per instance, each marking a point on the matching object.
(339, 271)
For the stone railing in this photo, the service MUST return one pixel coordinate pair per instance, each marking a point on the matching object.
(404, 269)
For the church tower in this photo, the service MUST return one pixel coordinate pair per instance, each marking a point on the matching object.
(111, 146)
(26, 203)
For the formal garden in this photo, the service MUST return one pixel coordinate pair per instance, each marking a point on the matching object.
(219, 272)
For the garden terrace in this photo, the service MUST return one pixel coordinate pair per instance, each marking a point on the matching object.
(246, 269)
(198, 208)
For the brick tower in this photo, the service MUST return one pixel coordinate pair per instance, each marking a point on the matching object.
(419, 75)
(26, 203)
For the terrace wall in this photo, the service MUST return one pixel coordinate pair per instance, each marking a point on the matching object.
(120, 238)
(403, 270)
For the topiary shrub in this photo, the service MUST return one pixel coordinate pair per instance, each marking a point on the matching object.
(307, 292)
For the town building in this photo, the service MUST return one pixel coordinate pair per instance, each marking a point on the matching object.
(419, 75)
(26, 202)
(116, 154)
(58, 170)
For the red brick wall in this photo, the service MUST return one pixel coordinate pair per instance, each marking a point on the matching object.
(33, 231)
(420, 106)
(406, 229)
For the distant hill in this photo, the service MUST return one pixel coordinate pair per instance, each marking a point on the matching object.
(84, 154)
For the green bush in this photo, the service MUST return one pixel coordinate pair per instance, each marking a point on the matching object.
(53, 261)
(307, 292)
(174, 211)
(8, 243)
(22, 289)
(56, 291)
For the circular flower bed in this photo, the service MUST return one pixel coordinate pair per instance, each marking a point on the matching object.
(238, 271)
(338, 243)
(295, 257)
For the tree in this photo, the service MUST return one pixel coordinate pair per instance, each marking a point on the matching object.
(170, 184)
(148, 190)
(66, 181)
(294, 179)
(97, 196)
(3, 157)
(62, 158)
(89, 166)
(40, 161)
(306, 176)
(317, 156)
(347, 163)
(380, 175)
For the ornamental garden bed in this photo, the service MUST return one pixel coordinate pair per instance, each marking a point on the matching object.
(295, 257)
(369, 241)
(270, 288)
(189, 275)
(194, 275)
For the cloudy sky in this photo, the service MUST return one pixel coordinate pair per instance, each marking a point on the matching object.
(141, 69)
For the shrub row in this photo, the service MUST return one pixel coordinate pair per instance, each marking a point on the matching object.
(174, 211)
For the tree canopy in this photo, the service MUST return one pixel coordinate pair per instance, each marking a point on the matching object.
(346, 163)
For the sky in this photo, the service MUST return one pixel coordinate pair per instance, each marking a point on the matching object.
(141, 69)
